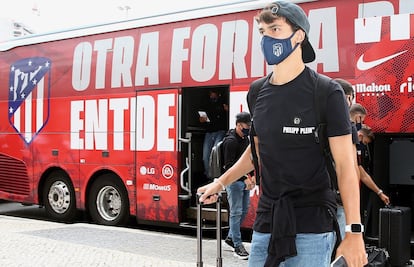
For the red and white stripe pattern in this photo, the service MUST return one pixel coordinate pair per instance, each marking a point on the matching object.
(29, 96)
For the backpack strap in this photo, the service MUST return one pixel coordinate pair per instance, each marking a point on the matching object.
(321, 136)
(251, 102)
(254, 89)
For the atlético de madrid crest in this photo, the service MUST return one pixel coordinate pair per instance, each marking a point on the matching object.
(29, 89)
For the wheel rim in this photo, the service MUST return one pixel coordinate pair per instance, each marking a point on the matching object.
(59, 197)
(109, 203)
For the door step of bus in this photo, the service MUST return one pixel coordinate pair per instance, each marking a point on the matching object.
(184, 197)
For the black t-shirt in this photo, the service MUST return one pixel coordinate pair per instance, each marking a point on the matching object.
(364, 158)
(233, 148)
(355, 139)
(291, 161)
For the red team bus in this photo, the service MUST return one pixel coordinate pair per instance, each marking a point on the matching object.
(104, 118)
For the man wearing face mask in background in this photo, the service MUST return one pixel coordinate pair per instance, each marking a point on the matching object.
(234, 144)
(215, 123)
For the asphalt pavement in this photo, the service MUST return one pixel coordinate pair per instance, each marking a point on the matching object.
(33, 242)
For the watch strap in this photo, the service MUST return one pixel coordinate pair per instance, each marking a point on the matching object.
(354, 228)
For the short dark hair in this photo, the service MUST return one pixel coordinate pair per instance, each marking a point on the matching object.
(367, 131)
(243, 117)
(357, 108)
(346, 86)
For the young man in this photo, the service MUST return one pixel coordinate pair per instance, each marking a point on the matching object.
(357, 114)
(234, 144)
(295, 217)
(365, 137)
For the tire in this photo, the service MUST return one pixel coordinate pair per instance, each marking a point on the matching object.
(59, 197)
(108, 202)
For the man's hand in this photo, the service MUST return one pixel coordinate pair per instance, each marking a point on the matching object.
(203, 119)
(209, 192)
(353, 250)
(250, 182)
(384, 198)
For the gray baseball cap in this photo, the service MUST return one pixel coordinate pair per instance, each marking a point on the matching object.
(297, 16)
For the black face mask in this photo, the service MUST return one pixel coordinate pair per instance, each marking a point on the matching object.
(358, 125)
(214, 99)
(245, 131)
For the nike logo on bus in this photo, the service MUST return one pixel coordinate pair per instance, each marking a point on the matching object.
(366, 65)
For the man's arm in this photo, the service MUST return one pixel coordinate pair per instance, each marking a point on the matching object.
(352, 247)
(241, 167)
(369, 182)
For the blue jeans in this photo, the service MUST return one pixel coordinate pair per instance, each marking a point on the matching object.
(239, 200)
(340, 216)
(210, 140)
(314, 250)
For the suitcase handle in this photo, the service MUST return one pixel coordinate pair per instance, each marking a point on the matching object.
(219, 258)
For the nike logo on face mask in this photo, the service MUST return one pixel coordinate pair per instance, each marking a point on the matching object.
(366, 65)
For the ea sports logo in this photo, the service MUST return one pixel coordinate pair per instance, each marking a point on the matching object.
(167, 171)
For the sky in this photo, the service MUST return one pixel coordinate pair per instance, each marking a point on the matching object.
(53, 15)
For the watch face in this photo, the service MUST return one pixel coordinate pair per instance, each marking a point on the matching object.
(356, 228)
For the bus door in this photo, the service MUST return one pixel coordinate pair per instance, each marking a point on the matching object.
(192, 132)
(157, 169)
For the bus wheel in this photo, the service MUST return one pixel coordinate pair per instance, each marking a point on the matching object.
(108, 201)
(59, 197)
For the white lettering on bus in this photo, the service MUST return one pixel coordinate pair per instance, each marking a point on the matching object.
(122, 62)
(372, 88)
(324, 38)
(101, 47)
(81, 67)
(96, 124)
(119, 106)
(156, 187)
(147, 59)
(93, 122)
(368, 25)
(233, 49)
(205, 52)
(179, 53)
(407, 85)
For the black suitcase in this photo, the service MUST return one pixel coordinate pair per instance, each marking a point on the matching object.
(219, 258)
(395, 233)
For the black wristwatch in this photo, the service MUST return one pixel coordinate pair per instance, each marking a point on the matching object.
(354, 228)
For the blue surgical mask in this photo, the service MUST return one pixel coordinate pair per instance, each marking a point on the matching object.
(245, 131)
(277, 50)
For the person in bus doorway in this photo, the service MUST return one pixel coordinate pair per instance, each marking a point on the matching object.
(357, 116)
(213, 116)
(238, 195)
(295, 217)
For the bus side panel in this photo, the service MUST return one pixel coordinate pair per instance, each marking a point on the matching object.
(16, 167)
(157, 156)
